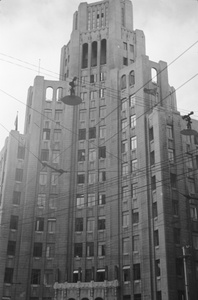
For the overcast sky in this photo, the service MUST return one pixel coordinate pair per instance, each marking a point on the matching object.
(33, 30)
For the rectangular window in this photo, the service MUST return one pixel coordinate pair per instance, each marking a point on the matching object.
(124, 104)
(133, 121)
(21, 152)
(102, 152)
(91, 200)
(125, 246)
(39, 225)
(82, 115)
(93, 95)
(92, 114)
(81, 155)
(51, 225)
(125, 169)
(92, 132)
(169, 129)
(195, 241)
(157, 268)
(125, 193)
(36, 276)
(16, 198)
(171, 156)
(124, 146)
(177, 233)
(48, 113)
(88, 275)
(101, 248)
(153, 183)
(136, 243)
(101, 223)
(50, 250)
(79, 224)
(91, 178)
(82, 134)
(102, 112)
(126, 273)
(125, 61)
(101, 93)
(54, 178)
(134, 167)
(46, 134)
(8, 276)
(179, 267)
(55, 156)
(14, 222)
(125, 46)
(37, 250)
(57, 135)
(52, 201)
(155, 213)
(193, 212)
(134, 190)
(80, 178)
(124, 124)
(131, 47)
(125, 219)
(102, 176)
(132, 100)
(133, 143)
(11, 248)
(90, 224)
(80, 201)
(58, 115)
(92, 154)
(173, 180)
(151, 134)
(175, 207)
(48, 278)
(135, 216)
(101, 199)
(44, 155)
(19, 175)
(90, 249)
(78, 247)
(102, 131)
(191, 186)
(152, 158)
(137, 296)
(136, 272)
(156, 238)
(43, 178)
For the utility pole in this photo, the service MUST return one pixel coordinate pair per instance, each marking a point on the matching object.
(185, 256)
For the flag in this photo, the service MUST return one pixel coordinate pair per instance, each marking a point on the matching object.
(151, 91)
(16, 122)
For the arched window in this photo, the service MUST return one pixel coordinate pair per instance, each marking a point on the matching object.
(123, 82)
(154, 75)
(49, 94)
(131, 78)
(103, 52)
(59, 93)
(85, 55)
(94, 54)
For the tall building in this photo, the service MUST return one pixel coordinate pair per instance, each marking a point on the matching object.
(99, 200)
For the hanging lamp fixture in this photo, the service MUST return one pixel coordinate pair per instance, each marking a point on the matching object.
(72, 99)
(189, 131)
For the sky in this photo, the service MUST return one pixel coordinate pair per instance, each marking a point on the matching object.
(32, 34)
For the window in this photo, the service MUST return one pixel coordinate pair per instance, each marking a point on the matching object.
(137, 297)
(131, 78)
(46, 134)
(19, 175)
(21, 152)
(93, 95)
(136, 243)
(173, 180)
(171, 156)
(135, 216)
(125, 169)
(125, 61)
(152, 158)
(51, 225)
(46, 124)
(90, 224)
(151, 134)
(90, 249)
(157, 268)
(59, 93)
(101, 248)
(176, 232)
(41, 200)
(101, 223)
(153, 183)
(50, 250)
(55, 156)
(79, 224)
(134, 190)
(133, 121)
(92, 133)
(36, 276)
(84, 55)
(94, 54)
(48, 113)
(16, 198)
(154, 75)
(102, 76)
(8, 276)
(91, 200)
(58, 115)
(80, 200)
(103, 52)
(125, 193)
(100, 275)
(44, 155)
(39, 225)
(191, 186)
(158, 295)
(179, 266)
(102, 152)
(136, 272)
(126, 273)
(83, 95)
(124, 104)
(54, 178)
(57, 135)
(91, 178)
(43, 178)
(134, 167)
(92, 114)
(11, 248)
(93, 78)
(102, 131)
(131, 48)
(124, 124)
(48, 277)
(92, 154)
(88, 275)
(125, 219)
(180, 295)
(132, 100)
(124, 46)
(101, 199)
(14, 222)
(125, 246)
(102, 176)
(133, 143)
(37, 251)
(193, 212)
(124, 146)
(155, 213)
(80, 178)
(175, 207)
(78, 249)
(169, 131)
(82, 134)
(156, 238)
(123, 82)
(102, 112)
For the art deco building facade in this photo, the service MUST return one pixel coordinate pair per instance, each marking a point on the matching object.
(103, 212)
